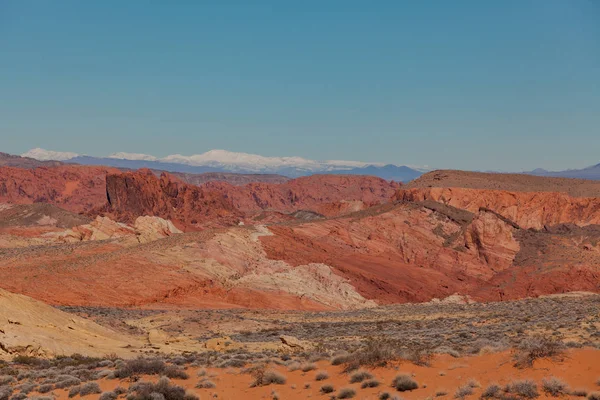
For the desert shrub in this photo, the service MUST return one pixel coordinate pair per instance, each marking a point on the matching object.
(65, 381)
(536, 347)
(371, 383)
(404, 383)
(89, 388)
(206, 384)
(491, 391)
(5, 392)
(140, 366)
(201, 372)
(524, 388)
(153, 391)
(375, 353)
(473, 383)
(308, 367)
(322, 375)
(19, 396)
(360, 376)
(28, 360)
(262, 377)
(441, 392)
(108, 396)
(385, 396)
(346, 393)
(294, 366)
(6, 379)
(446, 350)
(274, 377)
(579, 393)
(174, 372)
(74, 391)
(119, 390)
(339, 359)
(421, 356)
(27, 387)
(327, 389)
(463, 391)
(554, 387)
(45, 388)
(593, 396)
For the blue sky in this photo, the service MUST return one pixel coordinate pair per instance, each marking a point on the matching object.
(504, 85)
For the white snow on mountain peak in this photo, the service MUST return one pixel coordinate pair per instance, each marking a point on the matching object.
(46, 155)
(227, 160)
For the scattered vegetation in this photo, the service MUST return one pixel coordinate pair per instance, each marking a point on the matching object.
(404, 383)
(322, 375)
(536, 347)
(371, 383)
(327, 389)
(463, 391)
(523, 388)
(360, 376)
(554, 387)
(206, 384)
(346, 393)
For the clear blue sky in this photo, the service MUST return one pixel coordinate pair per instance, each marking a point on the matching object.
(504, 85)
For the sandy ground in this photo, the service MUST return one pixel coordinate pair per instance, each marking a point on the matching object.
(580, 369)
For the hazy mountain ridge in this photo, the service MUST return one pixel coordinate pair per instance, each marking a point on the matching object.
(219, 161)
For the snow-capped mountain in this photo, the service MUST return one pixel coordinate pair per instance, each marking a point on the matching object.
(47, 155)
(227, 161)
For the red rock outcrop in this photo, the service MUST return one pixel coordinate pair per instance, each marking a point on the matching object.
(139, 193)
(527, 209)
(134, 194)
(73, 187)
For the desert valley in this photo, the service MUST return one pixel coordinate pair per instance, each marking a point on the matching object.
(147, 284)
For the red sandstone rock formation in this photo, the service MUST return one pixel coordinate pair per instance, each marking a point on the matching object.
(72, 187)
(527, 209)
(139, 193)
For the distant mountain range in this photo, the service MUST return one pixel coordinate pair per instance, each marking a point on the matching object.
(219, 161)
(592, 172)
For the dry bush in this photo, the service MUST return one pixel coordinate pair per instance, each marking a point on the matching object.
(89, 388)
(74, 391)
(375, 353)
(65, 381)
(554, 387)
(140, 366)
(579, 392)
(524, 388)
(327, 389)
(206, 384)
(463, 391)
(340, 359)
(45, 388)
(294, 366)
(404, 383)
(6, 379)
(491, 391)
(536, 347)
(262, 377)
(174, 372)
(360, 376)
(108, 396)
(164, 388)
(346, 393)
(420, 356)
(5, 392)
(593, 396)
(371, 383)
(322, 375)
(308, 367)
(441, 392)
